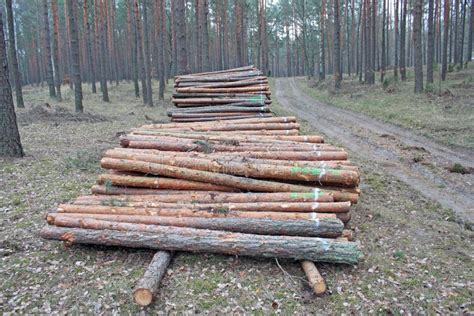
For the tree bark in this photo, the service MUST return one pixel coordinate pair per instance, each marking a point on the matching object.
(337, 47)
(88, 38)
(57, 75)
(13, 57)
(471, 30)
(47, 46)
(322, 26)
(444, 66)
(180, 16)
(75, 56)
(403, 71)
(104, 62)
(417, 45)
(10, 144)
(431, 43)
(319, 227)
(190, 239)
(146, 54)
(140, 52)
(148, 285)
(161, 26)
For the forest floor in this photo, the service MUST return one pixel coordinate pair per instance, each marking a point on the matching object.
(418, 257)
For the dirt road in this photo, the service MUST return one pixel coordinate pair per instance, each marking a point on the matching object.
(414, 159)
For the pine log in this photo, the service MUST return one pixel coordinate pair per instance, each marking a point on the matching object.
(249, 95)
(217, 118)
(323, 227)
(160, 183)
(117, 210)
(319, 207)
(223, 181)
(199, 240)
(212, 136)
(147, 286)
(113, 190)
(223, 90)
(231, 70)
(314, 277)
(236, 126)
(266, 171)
(212, 197)
(220, 109)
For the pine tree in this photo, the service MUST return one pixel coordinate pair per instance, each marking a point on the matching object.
(13, 56)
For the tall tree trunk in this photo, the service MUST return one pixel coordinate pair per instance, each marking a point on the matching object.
(431, 43)
(76, 72)
(384, 22)
(146, 54)
(102, 41)
(133, 47)
(174, 38)
(160, 15)
(238, 33)
(417, 45)
(47, 48)
(88, 38)
(140, 53)
(180, 17)
(396, 40)
(13, 57)
(205, 36)
(10, 144)
(456, 31)
(444, 66)
(322, 26)
(337, 48)
(57, 75)
(461, 40)
(373, 41)
(403, 71)
(471, 30)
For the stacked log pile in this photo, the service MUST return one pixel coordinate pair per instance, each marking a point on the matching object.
(221, 95)
(247, 186)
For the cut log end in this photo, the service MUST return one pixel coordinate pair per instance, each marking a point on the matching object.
(143, 297)
(314, 277)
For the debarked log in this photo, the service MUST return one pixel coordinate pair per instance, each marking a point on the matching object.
(196, 240)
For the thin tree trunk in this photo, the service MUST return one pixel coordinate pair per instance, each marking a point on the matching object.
(461, 40)
(57, 75)
(396, 15)
(180, 16)
(75, 56)
(322, 26)
(160, 14)
(13, 57)
(10, 144)
(141, 57)
(431, 43)
(471, 30)
(103, 53)
(403, 71)
(47, 46)
(384, 22)
(146, 53)
(88, 38)
(337, 48)
(444, 66)
(417, 45)
(205, 36)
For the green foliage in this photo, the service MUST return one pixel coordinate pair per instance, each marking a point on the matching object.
(399, 254)
(458, 168)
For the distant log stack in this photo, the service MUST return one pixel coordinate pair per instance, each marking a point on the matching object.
(238, 93)
(248, 186)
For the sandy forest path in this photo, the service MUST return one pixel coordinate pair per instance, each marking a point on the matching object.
(415, 160)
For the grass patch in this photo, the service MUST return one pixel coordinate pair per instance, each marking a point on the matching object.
(446, 115)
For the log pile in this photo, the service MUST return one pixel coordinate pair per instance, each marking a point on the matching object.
(247, 186)
(237, 93)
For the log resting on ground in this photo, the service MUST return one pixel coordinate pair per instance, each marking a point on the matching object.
(147, 286)
(198, 240)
